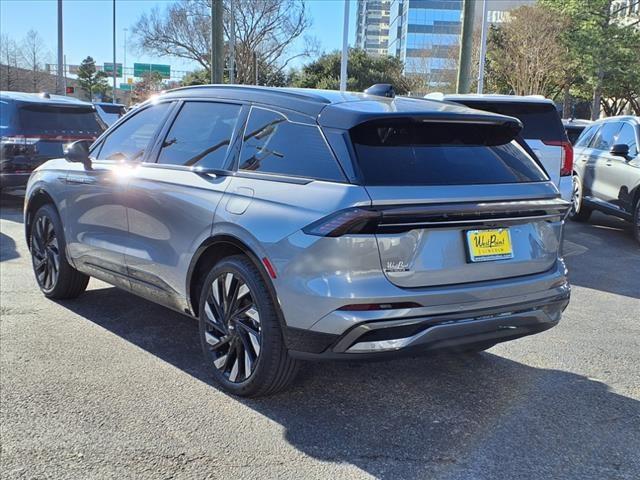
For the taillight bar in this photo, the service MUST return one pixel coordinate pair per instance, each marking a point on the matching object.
(356, 221)
(566, 165)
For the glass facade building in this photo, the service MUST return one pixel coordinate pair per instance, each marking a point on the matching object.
(425, 35)
(372, 28)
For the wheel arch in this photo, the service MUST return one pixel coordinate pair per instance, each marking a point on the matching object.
(210, 252)
(37, 199)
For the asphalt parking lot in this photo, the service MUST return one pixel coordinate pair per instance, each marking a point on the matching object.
(112, 386)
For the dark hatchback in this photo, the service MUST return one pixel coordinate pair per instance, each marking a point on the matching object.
(35, 128)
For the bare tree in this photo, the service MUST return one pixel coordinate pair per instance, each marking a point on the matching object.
(529, 56)
(34, 55)
(267, 28)
(10, 58)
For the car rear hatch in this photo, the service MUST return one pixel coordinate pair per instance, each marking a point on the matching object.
(41, 132)
(455, 201)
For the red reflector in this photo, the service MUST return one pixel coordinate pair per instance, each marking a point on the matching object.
(269, 267)
(364, 307)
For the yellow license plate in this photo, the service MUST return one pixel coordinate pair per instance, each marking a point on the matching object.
(487, 245)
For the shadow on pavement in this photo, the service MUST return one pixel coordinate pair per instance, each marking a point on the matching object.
(603, 255)
(11, 207)
(456, 416)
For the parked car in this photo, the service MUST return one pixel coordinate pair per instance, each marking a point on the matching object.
(543, 130)
(308, 224)
(35, 127)
(110, 113)
(608, 170)
(574, 128)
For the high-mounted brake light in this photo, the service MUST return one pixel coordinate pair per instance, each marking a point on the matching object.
(566, 165)
(351, 221)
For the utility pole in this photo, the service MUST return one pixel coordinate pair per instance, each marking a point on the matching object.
(59, 79)
(483, 47)
(255, 66)
(232, 43)
(466, 41)
(217, 41)
(345, 48)
(115, 70)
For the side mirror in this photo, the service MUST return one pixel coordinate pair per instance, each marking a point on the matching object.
(620, 150)
(78, 152)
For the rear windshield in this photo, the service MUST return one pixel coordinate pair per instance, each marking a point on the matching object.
(117, 109)
(541, 121)
(414, 153)
(55, 120)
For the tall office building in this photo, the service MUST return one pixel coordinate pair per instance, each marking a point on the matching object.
(372, 30)
(425, 34)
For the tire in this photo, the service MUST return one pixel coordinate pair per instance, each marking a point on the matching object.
(245, 350)
(56, 278)
(579, 211)
(635, 223)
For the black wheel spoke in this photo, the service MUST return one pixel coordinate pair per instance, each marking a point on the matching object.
(45, 253)
(232, 325)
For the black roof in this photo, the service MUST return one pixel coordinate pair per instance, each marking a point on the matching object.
(336, 109)
(45, 99)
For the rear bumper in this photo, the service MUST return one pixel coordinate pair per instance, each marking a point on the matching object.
(14, 180)
(372, 340)
(383, 333)
(566, 187)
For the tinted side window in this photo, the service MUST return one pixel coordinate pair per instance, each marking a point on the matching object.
(587, 135)
(627, 135)
(541, 121)
(131, 139)
(603, 140)
(274, 145)
(200, 135)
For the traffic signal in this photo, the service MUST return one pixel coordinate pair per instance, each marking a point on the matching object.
(70, 90)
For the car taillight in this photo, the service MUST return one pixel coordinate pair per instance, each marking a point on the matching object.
(18, 146)
(351, 221)
(566, 165)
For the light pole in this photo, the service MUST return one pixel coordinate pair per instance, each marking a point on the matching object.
(115, 70)
(232, 43)
(59, 80)
(124, 61)
(345, 48)
(483, 47)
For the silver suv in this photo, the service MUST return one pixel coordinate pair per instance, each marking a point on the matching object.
(308, 224)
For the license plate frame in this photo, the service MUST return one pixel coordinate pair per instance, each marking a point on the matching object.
(488, 253)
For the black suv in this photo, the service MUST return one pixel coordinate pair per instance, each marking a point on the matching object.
(35, 127)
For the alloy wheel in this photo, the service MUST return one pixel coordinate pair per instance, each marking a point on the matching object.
(46, 253)
(576, 197)
(233, 330)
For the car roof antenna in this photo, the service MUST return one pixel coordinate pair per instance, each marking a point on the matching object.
(381, 90)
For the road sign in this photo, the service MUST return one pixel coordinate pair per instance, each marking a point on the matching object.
(108, 68)
(130, 80)
(126, 86)
(139, 69)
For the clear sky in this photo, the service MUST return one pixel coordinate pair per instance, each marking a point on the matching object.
(87, 26)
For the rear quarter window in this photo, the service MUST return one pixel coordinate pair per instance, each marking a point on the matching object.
(541, 121)
(413, 153)
(272, 144)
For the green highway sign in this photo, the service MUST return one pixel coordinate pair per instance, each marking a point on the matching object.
(108, 68)
(126, 86)
(139, 69)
